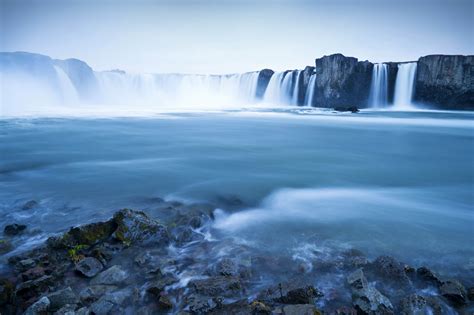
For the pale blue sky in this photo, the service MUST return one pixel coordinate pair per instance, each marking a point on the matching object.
(234, 36)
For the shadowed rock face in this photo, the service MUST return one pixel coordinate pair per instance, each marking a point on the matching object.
(342, 81)
(263, 78)
(445, 81)
(81, 75)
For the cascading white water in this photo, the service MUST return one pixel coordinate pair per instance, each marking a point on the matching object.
(405, 86)
(379, 87)
(279, 89)
(310, 90)
(295, 93)
(67, 89)
(175, 90)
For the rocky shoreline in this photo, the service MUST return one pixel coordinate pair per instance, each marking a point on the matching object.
(135, 264)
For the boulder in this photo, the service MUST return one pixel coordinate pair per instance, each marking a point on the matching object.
(164, 302)
(301, 309)
(427, 275)
(14, 229)
(30, 205)
(102, 307)
(454, 291)
(415, 304)
(304, 295)
(351, 109)
(6, 291)
(39, 307)
(365, 297)
(217, 286)
(113, 276)
(391, 270)
(62, 297)
(198, 304)
(89, 267)
(83, 236)
(94, 292)
(136, 226)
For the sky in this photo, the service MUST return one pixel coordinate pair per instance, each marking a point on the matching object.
(230, 36)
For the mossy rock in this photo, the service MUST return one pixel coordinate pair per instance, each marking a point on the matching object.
(136, 226)
(86, 235)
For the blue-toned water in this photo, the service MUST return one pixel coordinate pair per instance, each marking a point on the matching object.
(384, 182)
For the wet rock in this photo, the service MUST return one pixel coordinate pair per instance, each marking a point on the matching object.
(26, 264)
(187, 235)
(32, 288)
(101, 307)
(198, 304)
(33, 273)
(305, 295)
(6, 291)
(89, 267)
(39, 307)
(354, 258)
(30, 205)
(62, 297)
(366, 298)
(300, 309)
(14, 229)
(93, 293)
(112, 276)
(357, 280)
(136, 226)
(5, 246)
(217, 286)
(67, 309)
(156, 287)
(164, 302)
(470, 293)
(418, 305)
(427, 275)
(258, 307)
(119, 297)
(344, 310)
(82, 311)
(391, 269)
(454, 291)
(85, 235)
(227, 267)
(352, 109)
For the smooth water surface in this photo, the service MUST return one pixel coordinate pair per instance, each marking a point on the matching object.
(383, 182)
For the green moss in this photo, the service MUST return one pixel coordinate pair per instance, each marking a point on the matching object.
(74, 252)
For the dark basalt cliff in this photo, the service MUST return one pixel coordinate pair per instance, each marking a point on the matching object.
(342, 81)
(445, 81)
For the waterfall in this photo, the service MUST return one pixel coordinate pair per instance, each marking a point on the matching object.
(405, 86)
(379, 87)
(279, 90)
(311, 89)
(295, 93)
(67, 89)
(176, 90)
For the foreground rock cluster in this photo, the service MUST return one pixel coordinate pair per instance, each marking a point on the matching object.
(134, 264)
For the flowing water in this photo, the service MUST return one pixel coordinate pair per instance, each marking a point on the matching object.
(405, 86)
(379, 86)
(397, 183)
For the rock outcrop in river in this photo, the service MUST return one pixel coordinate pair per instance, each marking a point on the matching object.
(342, 81)
(446, 81)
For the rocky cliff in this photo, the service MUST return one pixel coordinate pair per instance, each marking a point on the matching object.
(342, 81)
(445, 81)
(81, 75)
